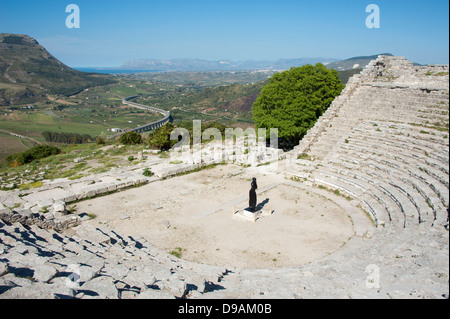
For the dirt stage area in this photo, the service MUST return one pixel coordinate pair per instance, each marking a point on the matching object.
(192, 215)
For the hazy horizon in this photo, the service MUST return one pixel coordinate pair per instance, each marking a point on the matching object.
(112, 33)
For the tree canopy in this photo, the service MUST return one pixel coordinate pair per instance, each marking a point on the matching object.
(293, 100)
(131, 138)
(67, 138)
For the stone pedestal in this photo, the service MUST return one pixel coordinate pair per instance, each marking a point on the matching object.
(248, 215)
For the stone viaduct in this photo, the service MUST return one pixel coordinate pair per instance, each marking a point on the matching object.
(147, 127)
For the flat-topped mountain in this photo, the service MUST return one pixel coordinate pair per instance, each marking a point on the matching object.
(28, 72)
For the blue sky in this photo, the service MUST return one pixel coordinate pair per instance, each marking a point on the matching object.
(112, 32)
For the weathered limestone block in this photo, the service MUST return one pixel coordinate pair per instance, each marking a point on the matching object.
(140, 277)
(91, 271)
(174, 285)
(102, 287)
(4, 213)
(44, 273)
(59, 207)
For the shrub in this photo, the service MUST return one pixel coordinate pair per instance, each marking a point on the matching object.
(147, 172)
(177, 252)
(131, 138)
(160, 138)
(35, 153)
(100, 140)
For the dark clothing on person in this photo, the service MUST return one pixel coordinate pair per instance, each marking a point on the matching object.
(252, 195)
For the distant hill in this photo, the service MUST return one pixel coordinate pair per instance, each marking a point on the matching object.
(199, 65)
(347, 74)
(28, 72)
(358, 62)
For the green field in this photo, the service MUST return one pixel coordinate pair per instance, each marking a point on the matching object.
(34, 124)
(94, 112)
(10, 145)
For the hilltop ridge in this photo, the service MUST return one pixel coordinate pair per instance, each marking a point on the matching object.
(28, 72)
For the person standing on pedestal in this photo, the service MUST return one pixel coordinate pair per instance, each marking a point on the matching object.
(252, 195)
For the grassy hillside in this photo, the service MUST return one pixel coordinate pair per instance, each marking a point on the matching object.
(227, 103)
(93, 111)
(11, 145)
(28, 72)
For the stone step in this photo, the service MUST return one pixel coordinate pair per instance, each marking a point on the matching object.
(392, 145)
(80, 259)
(362, 189)
(411, 161)
(398, 168)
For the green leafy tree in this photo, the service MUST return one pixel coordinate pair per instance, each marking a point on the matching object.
(293, 100)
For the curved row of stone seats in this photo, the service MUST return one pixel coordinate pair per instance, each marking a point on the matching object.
(385, 168)
(376, 101)
(93, 263)
(390, 208)
(411, 154)
(379, 143)
(394, 157)
(419, 191)
(341, 130)
(383, 209)
(412, 136)
(411, 204)
(438, 183)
